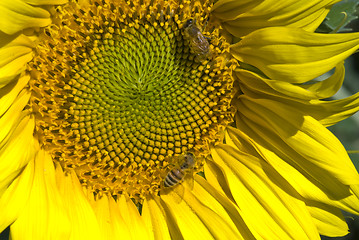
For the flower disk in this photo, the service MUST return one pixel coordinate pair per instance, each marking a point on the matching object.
(117, 90)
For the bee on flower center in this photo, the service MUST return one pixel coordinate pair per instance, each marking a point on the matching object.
(177, 174)
(198, 42)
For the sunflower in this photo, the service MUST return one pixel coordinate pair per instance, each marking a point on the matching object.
(104, 102)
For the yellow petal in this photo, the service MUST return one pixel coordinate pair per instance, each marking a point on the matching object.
(216, 178)
(81, 216)
(222, 205)
(279, 88)
(243, 19)
(296, 135)
(303, 97)
(16, 15)
(190, 209)
(329, 220)
(17, 152)
(292, 54)
(14, 56)
(267, 209)
(332, 112)
(232, 9)
(10, 92)
(12, 116)
(306, 184)
(43, 216)
(154, 218)
(109, 218)
(13, 201)
(132, 218)
(45, 2)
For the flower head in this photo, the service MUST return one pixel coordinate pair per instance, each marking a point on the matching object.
(172, 119)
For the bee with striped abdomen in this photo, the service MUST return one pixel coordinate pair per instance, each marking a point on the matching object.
(177, 174)
(198, 42)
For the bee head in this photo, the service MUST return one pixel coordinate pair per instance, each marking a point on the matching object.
(190, 159)
(188, 22)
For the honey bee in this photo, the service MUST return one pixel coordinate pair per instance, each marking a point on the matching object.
(177, 174)
(198, 42)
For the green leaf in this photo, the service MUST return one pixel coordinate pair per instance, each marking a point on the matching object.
(339, 17)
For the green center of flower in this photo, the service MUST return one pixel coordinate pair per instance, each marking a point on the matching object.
(118, 90)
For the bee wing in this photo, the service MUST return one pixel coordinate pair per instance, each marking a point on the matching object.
(176, 161)
(181, 188)
(177, 191)
(188, 181)
(202, 43)
(184, 186)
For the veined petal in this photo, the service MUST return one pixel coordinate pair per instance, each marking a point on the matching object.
(10, 92)
(13, 200)
(312, 187)
(298, 135)
(217, 179)
(109, 218)
(184, 219)
(200, 209)
(280, 88)
(329, 220)
(293, 54)
(17, 152)
(13, 57)
(265, 207)
(44, 208)
(81, 216)
(154, 218)
(222, 205)
(332, 112)
(304, 98)
(133, 219)
(17, 15)
(245, 18)
(232, 9)
(12, 116)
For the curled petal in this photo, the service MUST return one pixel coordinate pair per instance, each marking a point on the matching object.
(292, 54)
(299, 137)
(232, 9)
(243, 17)
(18, 150)
(12, 116)
(13, 58)
(13, 201)
(10, 92)
(332, 112)
(329, 220)
(17, 15)
(304, 98)
(297, 92)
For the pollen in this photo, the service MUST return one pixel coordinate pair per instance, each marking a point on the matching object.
(117, 91)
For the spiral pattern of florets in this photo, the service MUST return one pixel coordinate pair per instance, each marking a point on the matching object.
(117, 92)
